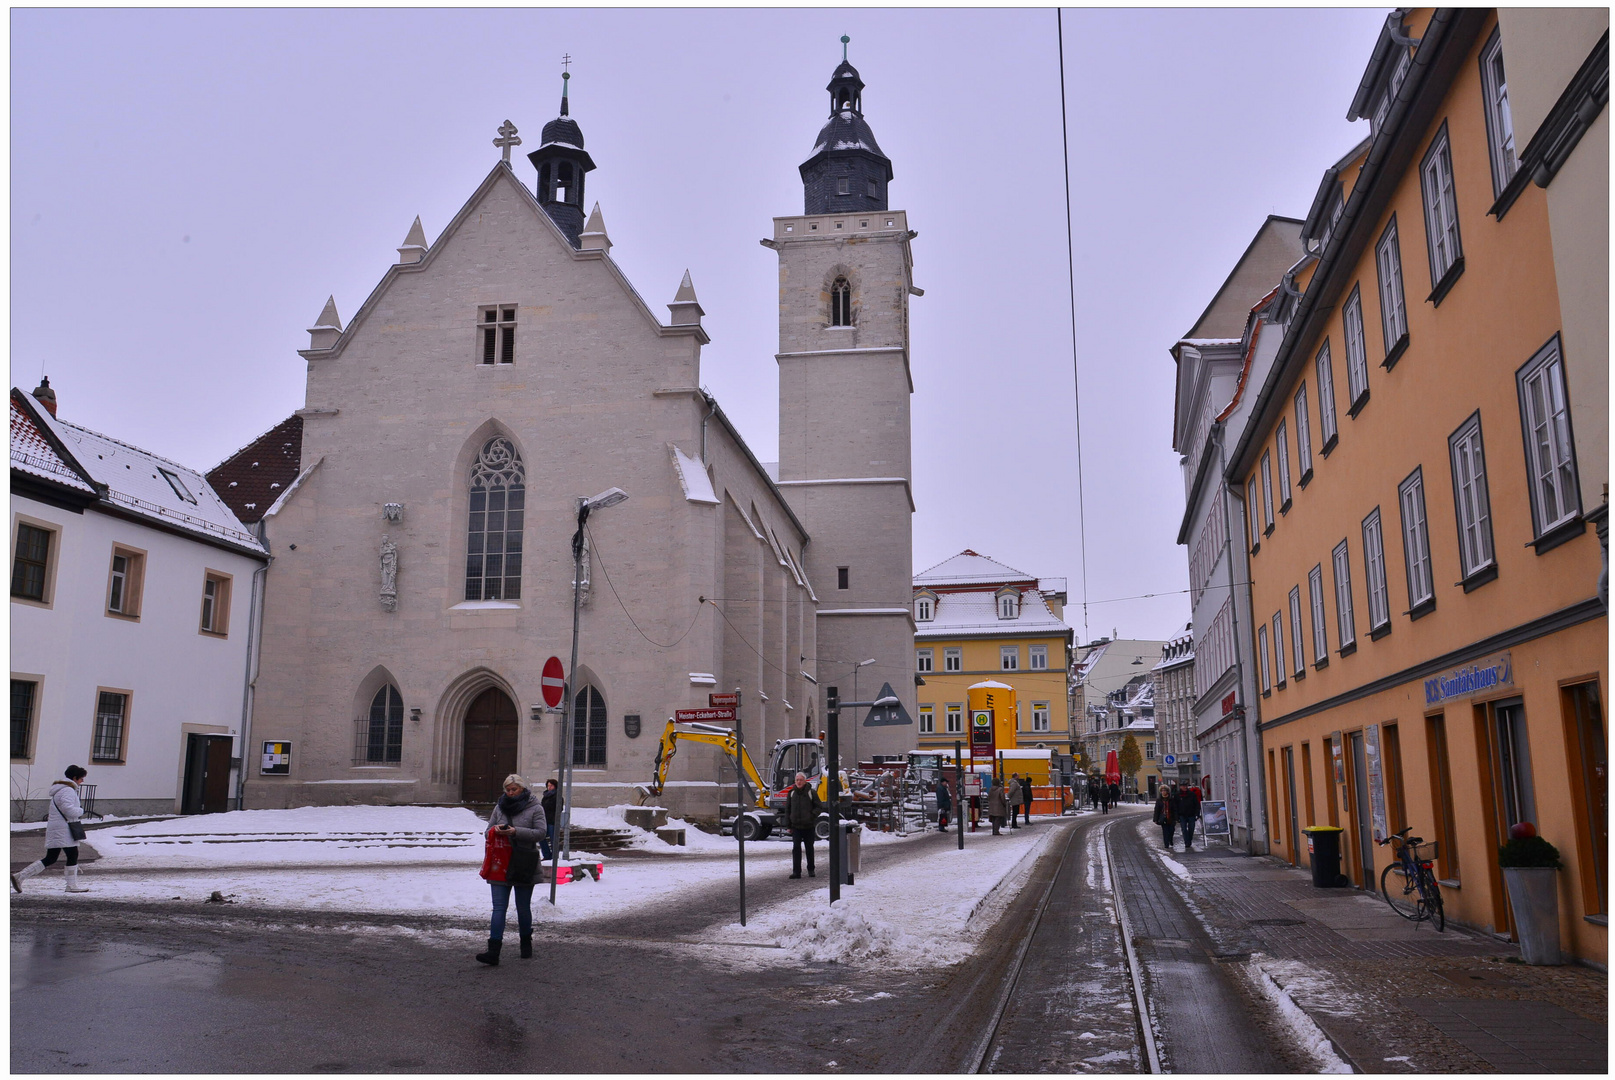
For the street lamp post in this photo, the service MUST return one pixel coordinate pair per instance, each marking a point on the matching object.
(856, 760)
(608, 497)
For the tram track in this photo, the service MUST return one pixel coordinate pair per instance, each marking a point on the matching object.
(984, 1052)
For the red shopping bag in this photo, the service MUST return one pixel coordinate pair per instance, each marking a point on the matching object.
(496, 856)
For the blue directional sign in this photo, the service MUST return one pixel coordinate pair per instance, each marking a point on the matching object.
(1170, 759)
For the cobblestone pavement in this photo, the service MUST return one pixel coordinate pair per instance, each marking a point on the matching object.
(1394, 996)
(1206, 1015)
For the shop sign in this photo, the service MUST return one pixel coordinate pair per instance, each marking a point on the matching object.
(1491, 673)
(1376, 782)
(1214, 818)
(1228, 703)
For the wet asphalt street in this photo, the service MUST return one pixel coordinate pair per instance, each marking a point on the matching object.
(110, 987)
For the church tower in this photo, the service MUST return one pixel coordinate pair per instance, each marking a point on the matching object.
(845, 273)
(561, 162)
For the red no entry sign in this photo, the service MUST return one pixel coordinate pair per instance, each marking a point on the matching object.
(685, 716)
(553, 681)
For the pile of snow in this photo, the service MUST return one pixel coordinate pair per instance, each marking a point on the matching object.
(840, 933)
(1307, 1034)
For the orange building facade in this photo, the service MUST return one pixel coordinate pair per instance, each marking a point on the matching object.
(1431, 645)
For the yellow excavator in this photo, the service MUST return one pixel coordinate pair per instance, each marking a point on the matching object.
(766, 811)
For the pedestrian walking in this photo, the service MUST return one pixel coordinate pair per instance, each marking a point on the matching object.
(944, 803)
(997, 807)
(1188, 814)
(802, 808)
(1012, 797)
(1166, 809)
(545, 845)
(62, 831)
(515, 828)
(1026, 796)
(1113, 792)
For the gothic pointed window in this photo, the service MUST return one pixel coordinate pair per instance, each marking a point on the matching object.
(493, 560)
(381, 733)
(841, 303)
(589, 728)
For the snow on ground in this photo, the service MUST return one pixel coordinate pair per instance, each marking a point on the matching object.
(922, 912)
(384, 861)
(1307, 1034)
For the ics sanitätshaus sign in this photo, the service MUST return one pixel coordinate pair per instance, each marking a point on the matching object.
(1466, 680)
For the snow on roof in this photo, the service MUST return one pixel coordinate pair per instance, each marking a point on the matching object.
(977, 612)
(989, 684)
(33, 454)
(152, 487)
(693, 478)
(969, 568)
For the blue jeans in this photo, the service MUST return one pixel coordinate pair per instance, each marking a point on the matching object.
(1186, 827)
(501, 902)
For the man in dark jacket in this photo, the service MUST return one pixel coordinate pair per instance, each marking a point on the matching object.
(802, 807)
(944, 803)
(1188, 814)
(1026, 796)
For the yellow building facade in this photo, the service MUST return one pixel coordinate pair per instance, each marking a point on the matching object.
(1431, 646)
(979, 621)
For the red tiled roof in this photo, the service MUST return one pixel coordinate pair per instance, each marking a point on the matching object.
(33, 453)
(250, 480)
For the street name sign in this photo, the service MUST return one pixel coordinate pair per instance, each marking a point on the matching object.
(724, 701)
(687, 716)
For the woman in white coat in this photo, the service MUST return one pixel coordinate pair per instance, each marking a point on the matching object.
(63, 808)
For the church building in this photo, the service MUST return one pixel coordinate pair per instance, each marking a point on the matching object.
(420, 508)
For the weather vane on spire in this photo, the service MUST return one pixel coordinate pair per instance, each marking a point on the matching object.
(844, 40)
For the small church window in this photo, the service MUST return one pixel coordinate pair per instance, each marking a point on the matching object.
(841, 302)
(498, 335)
(493, 561)
(874, 190)
(381, 734)
(589, 728)
(563, 181)
(843, 186)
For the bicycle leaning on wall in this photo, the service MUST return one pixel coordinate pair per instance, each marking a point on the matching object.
(1409, 884)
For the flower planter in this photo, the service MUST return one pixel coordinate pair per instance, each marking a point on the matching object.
(1533, 894)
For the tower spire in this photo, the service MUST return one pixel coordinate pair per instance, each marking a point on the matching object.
(562, 162)
(844, 40)
(847, 170)
(566, 77)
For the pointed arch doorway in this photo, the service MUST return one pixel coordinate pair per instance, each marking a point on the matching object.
(490, 746)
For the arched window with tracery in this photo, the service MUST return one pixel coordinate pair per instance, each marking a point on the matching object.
(381, 734)
(493, 545)
(841, 302)
(589, 728)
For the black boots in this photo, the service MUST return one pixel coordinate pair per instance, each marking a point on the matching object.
(491, 957)
(527, 946)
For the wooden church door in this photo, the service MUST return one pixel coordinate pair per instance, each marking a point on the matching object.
(490, 746)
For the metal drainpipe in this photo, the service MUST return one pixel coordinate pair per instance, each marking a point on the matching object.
(255, 616)
(1220, 429)
(712, 403)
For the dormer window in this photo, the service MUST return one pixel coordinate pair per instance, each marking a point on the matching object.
(924, 608)
(1009, 604)
(843, 186)
(841, 302)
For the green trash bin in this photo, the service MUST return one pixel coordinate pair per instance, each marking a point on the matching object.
(1323, 845)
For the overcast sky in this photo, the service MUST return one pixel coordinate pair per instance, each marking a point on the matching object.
(188, 186)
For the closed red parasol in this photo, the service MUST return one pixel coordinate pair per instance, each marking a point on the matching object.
(1113, 768)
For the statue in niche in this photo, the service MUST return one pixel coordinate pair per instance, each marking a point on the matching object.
(389, 574)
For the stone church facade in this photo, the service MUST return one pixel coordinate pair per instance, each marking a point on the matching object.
(420, 511)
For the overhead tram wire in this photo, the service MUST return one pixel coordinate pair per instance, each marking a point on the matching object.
(1071, 276)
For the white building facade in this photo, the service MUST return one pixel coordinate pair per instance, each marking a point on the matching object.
(133, 598)
(1174, 710)
(1229, 348)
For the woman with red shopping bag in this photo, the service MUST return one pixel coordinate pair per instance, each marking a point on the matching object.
(510, 864)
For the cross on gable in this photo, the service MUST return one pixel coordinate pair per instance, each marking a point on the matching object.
(507, 139)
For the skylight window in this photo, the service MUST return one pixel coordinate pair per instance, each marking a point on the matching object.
(179, 486)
